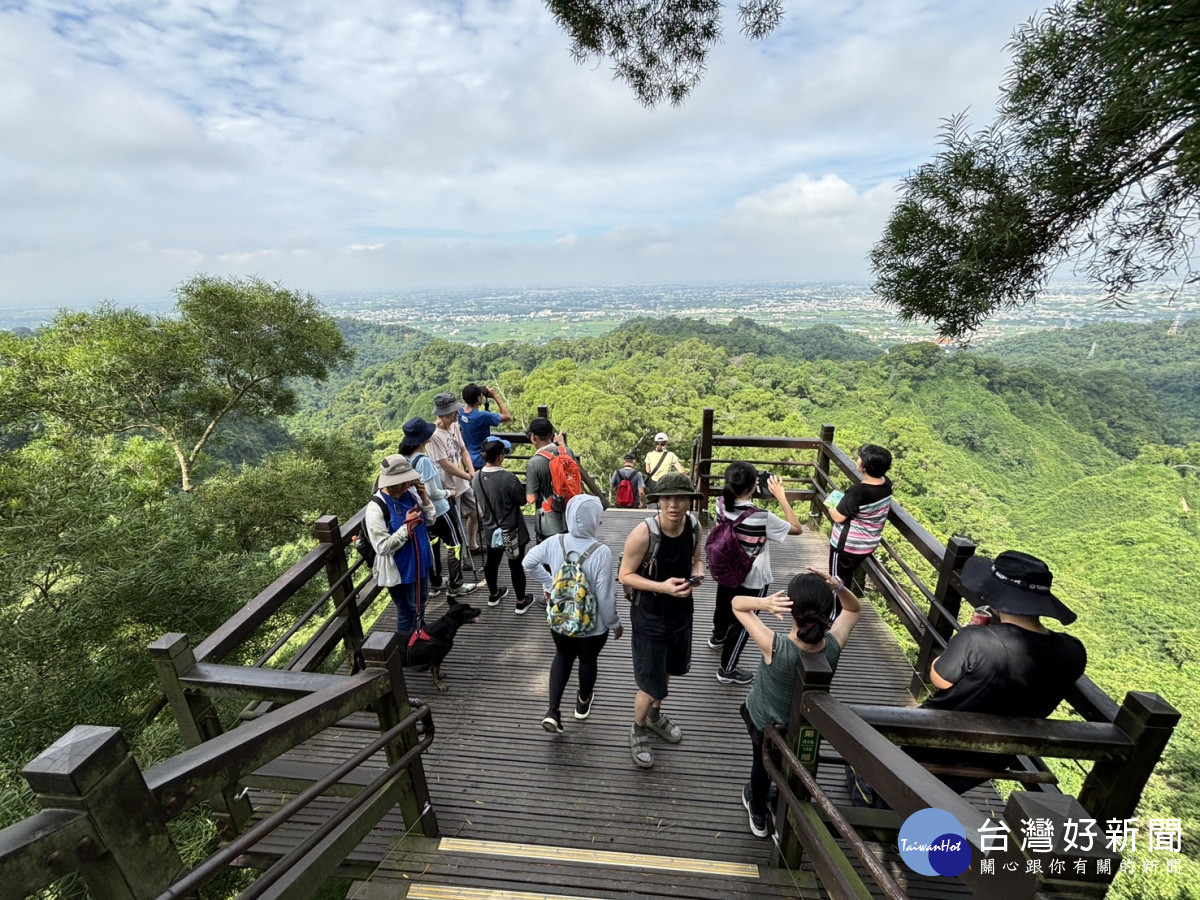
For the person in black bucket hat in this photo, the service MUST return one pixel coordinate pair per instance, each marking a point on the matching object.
(1013, 666)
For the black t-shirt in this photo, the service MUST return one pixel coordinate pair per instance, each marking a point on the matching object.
(662, 615)
(1007, 670)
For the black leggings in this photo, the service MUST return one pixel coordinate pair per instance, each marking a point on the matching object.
(725, 621)
(491, 571)
(567, 649)
(445, 529)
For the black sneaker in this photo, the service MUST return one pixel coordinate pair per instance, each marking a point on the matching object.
(552, 722)
(523, 604)
(583, 708)
(716, 641)
(737, 676)
(494, 599)
(758, 824)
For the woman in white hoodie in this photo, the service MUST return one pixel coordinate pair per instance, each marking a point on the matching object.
(582, 518)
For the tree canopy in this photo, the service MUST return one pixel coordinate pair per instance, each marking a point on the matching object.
(233, 348)
(1094, 158)
(657, 47)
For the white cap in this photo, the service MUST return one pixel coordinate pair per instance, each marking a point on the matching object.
(660, 438)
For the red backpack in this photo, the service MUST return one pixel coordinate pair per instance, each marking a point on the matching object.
(565, 479)
(626, 497)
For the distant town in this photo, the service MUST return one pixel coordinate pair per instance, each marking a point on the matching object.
(540, 314)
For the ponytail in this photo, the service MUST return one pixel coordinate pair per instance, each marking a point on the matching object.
(740, 478)
(812, 606)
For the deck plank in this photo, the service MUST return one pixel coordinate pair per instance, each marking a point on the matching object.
(495, 775)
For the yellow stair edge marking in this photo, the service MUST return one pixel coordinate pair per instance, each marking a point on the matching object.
(600, 857)
(454, 892)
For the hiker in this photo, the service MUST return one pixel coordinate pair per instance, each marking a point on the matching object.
(628, 486)
(476, 424)
(809, 600)
(860, 514)
(539, 483)
(583, 517)
(403, 556)
(1014, 666)
(661, 564)
(754, 530)
(660, 458)
(446, 449)
(501, 497)
(445, 528)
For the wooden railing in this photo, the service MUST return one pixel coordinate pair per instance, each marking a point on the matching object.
(106, 819)
(1123, 742)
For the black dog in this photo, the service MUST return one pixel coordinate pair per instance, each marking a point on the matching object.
(424, 650)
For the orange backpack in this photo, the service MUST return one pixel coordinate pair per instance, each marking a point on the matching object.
(565, 479)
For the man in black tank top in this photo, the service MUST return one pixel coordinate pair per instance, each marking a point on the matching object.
(661, 569)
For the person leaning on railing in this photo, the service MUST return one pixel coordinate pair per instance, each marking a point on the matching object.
(809, 599)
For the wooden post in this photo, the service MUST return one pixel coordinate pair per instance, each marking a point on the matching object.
(815, 515)
(703, 465)
(958, 551)
(329, 532)
(813, 674)
(382, 651)
(90, 769)
(198, 721)
(1114, 786)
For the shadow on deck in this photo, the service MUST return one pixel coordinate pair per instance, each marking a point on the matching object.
(496, 776)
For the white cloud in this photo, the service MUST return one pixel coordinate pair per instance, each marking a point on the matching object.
(380, 146)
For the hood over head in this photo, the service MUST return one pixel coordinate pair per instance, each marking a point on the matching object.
(583, 516)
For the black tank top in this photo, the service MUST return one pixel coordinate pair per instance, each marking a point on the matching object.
(661, 614)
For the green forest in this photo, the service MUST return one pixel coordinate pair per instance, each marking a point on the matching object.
(113, 530)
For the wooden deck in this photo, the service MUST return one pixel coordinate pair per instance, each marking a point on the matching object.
(497, 777)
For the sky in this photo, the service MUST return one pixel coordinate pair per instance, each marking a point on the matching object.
(362, 145)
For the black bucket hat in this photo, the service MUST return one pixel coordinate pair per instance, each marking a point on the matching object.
(1015, 583)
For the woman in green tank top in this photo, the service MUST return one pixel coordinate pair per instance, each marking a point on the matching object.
(809, 600)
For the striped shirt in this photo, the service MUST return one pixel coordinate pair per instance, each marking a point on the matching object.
(867, 506)
(754, 535)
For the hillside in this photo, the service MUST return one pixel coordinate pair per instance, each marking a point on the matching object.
(1164, 358)
(1040, 452)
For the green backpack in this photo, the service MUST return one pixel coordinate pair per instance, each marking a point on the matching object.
(571, 609)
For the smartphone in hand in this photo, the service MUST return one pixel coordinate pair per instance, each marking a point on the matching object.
(695, 579)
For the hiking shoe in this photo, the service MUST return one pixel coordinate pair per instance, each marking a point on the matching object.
(494, 599)
(716, 641)
(639, 745)
(665, 728)
(583, 708)
(758, 824)
(552, 722)
(737, 676)
(467, 587)
(523, 604)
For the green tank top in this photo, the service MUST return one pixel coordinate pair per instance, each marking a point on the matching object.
(770, 699)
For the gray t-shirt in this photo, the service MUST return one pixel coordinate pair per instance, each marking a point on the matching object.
(538, 482)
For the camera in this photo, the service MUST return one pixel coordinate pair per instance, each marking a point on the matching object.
(763, 477)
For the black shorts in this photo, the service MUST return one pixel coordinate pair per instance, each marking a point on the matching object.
(654, 658)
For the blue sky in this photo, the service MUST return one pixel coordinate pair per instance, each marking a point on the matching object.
(381, 146)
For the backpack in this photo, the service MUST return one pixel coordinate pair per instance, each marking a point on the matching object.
(626, 497)
(571, 609)
(647, 568)
(362, 541)
(728, 563)
(566, 481)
